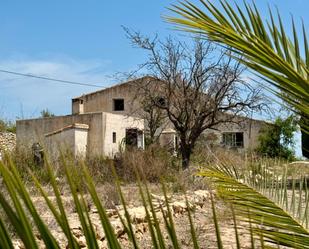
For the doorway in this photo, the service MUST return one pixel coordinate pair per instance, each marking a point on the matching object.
(135, 138)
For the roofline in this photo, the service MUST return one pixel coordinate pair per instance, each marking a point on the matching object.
(70, 115)
(78, 126)
(61, 116)
(113, 86)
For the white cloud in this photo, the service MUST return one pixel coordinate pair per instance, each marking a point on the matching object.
(24, 96)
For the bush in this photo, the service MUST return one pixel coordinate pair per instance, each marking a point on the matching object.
(7, 126)
(153, 164)
(276, 140)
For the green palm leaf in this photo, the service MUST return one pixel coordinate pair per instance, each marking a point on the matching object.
(268, 219)
(262, 46)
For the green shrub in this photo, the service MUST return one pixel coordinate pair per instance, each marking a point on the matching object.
(277, 140)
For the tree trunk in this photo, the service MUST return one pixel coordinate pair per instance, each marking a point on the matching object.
(185, 154)
(304, 124)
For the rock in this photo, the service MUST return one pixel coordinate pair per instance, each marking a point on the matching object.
(82, 242)
(200, 197)
(203, 194)
(179, 207)
(18, 244)
(138, 214)
(118, 227)
(77, 232)
(7, 141)
(111, 212)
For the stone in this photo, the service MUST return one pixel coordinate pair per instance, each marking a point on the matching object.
(82, 242)
(118, 227)
(138, 214)
(7, 142)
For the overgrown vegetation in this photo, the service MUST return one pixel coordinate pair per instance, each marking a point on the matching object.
(277, 140)
(263, 46)
(258, 177)
(45, 113)
(7, 126)
(264, 195)
(196, 86)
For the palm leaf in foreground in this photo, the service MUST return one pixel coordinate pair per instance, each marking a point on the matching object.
(269, 220)
(264, 47)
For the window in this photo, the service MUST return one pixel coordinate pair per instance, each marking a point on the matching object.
(114, 137)
(118, 104)
(233, 139)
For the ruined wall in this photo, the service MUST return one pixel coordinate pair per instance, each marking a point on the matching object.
(73, 138)
(102, 101)
(34, 130)
(251, 129)
(99, 135)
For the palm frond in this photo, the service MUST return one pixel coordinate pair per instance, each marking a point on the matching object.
(267, 218)
(263, 46)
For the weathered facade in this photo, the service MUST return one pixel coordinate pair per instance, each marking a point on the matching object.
(121, 99)
(97, 133)
(105, 121)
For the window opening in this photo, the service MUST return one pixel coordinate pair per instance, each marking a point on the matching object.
(118, 104)
(114, 137)
(233, 139)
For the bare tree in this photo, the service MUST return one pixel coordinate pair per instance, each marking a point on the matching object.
(155, 118)
(197, 87)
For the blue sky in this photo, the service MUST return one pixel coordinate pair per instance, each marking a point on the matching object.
(79, 41)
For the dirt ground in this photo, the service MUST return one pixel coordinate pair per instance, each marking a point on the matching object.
(200, 206)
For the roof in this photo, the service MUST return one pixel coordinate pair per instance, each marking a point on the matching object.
(72, 126)
(111, 87)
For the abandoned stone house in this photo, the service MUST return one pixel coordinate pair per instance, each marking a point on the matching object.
(104, 122)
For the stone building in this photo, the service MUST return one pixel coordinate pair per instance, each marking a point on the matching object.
(119, 99)
(104, 121)
(95, 133)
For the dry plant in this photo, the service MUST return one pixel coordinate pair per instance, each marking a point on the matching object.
(154, 164)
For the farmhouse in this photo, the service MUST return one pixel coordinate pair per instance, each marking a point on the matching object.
(104, 122)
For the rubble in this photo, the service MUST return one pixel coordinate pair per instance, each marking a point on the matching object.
(178, 207)
(7, 141)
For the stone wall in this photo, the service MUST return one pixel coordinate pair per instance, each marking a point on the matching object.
(7, 141)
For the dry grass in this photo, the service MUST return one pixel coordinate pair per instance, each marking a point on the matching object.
(153, 164)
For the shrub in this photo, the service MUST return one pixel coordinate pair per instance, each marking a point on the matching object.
(276, 140)
(152, 164)
(7, 126)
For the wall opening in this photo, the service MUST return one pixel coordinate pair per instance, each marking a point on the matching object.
(134, 138)
(118, 104)
(233, 139)
(114, 137)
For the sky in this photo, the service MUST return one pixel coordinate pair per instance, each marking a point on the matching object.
(81, 41)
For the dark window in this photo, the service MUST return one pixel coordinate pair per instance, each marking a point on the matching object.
(233, 139)
(160, 101)
(118, 104)
(114, 137)
(131, 137)
(81, 101)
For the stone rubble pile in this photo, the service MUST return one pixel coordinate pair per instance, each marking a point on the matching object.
(196, 200)
(7, 141)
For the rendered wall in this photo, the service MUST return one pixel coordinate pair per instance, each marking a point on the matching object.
(118, 124)
(250, 128)
(102, 101)
(34, 130)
